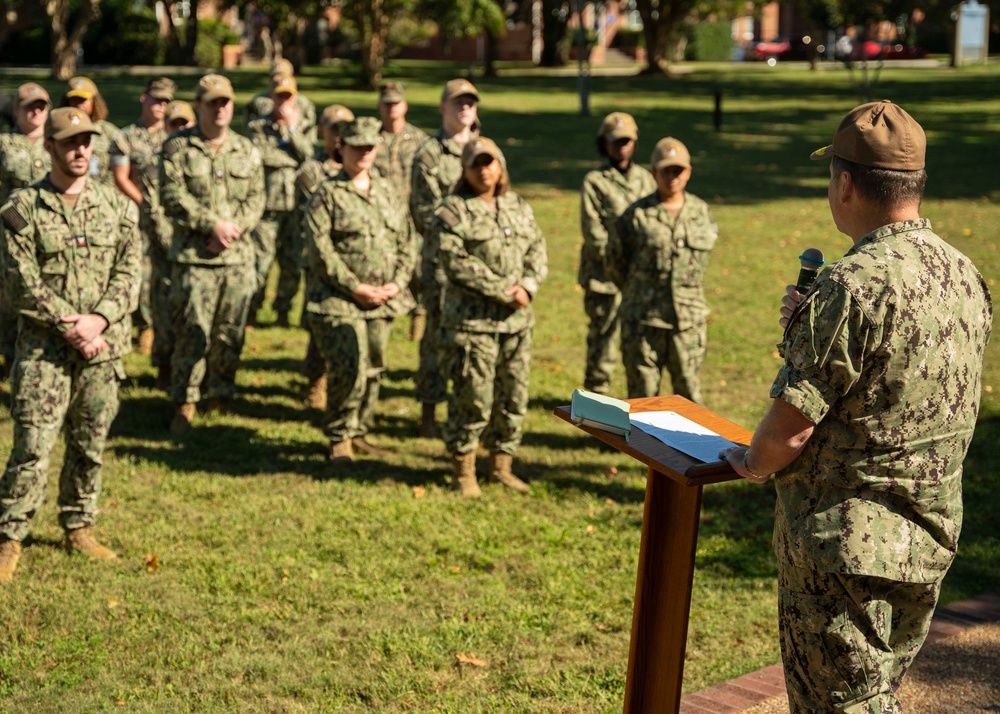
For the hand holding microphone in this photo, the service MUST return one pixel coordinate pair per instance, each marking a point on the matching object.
(812, 263)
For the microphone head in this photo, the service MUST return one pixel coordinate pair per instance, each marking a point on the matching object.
(812, 259)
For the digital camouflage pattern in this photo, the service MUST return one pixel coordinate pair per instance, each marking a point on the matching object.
(100, 163)
(606, 193)
(282, 151)
(57, 261)
(394, 160)
(261, 105)
(154, 223)
(659, 262)
(487, 344)
(885, 356)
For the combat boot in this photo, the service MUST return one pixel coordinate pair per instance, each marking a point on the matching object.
(418, 326)
(464, 475)
(163, 378)
(341, 452)
(282, 319)
(219, 405)
(10, 553)
(146, 341)
(428, 425)
(81, 540)
(500, 464)
(316, 396)
(183, 418)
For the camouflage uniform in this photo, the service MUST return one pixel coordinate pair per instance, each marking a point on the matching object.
(437, 167)
(22, 163)
(137, 147)
(885, 356)
(283, 151)
(659, 262)
(353, 238)
(60, 260)
(160, 231)
(606, 193)
(262, 106)
(488, 343)
(100, 162)
(210, 293)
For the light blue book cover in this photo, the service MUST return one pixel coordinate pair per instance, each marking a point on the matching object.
(601, 412)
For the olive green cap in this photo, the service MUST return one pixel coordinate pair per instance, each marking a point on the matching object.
(670, 152)
(619, 125)
(336, 114)
(161, 88)
(458, 87)
(66, 122)
(881, 135)
(179, 110)
(392, 93)
(213, 86)
(479, 146)
(82, 87)
(30, 92)
(362, 131)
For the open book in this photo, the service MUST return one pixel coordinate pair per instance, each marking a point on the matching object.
(601, 412)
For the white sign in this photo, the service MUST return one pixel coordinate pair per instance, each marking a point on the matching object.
(972, 33)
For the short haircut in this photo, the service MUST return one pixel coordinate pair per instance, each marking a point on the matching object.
(884, 187)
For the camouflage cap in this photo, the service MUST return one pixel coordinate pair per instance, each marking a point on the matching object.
(478, 147)
(29, 92)
(336, 114)
(282, 66)
(213, 86)
(881, 135)
(66, 122)
(619, 125)
(82, 87)
(392, 93)
(670, 152)
(177, 111)
(457, 88)
(161, 88)
(362, 131)
(283, 84)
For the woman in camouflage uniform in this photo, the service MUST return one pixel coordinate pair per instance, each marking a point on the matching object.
(82, 93)
(493, 255)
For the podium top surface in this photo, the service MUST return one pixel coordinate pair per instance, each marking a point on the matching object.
(665, 459)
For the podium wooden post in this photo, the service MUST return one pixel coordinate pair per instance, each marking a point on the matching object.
(666, 551)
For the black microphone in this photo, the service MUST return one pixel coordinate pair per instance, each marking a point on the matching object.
(812, 263)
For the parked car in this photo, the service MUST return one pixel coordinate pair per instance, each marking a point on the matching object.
(872, 50)
(784, 48)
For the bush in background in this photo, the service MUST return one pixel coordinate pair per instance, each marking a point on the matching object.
(711, 42)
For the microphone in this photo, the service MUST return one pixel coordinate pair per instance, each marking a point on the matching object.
(812, 263)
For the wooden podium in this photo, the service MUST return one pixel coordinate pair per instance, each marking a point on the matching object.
(666, 551)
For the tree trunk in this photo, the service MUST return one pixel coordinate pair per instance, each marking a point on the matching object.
(66, 41)
(490, 55)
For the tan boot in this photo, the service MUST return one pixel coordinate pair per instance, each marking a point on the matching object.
(428, 425)
(219, 405)
(81, 540)
(146, 341)
(341, 452)
(418, 326)
(363, 446)
(163, 378)
(10, 553)
(316, 396)
(464, 471)
(500, 464)
(282, 319)
(183, 418)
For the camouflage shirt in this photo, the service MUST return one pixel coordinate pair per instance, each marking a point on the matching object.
(606, 193)
(483, 254)
(353, 238)
(263, 106)
(311, 174)
(659, 261)
(60, 260)
(395, 158)
(885, 356)
(200, 187)
(437, 167)
(100, 162)
(283, 150)
(22, 162)
(137, 147)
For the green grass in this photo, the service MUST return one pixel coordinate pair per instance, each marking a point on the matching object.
(283, 587)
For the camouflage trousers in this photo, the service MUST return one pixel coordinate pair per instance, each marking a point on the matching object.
(209, 308)
(647, 350)
(431, 385)
(291, 261)
(489, 390)
(159, 303)
(603, 334)
(143, 317)
(8, 331)
(48, 397)
(354, 351)
(847, 640)
(271, 232)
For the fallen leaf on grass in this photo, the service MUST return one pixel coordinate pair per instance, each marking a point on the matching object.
(284, 576)
(254, 348)
(152, 563)
(600, 627)
(419, 491)
(470, 659)
(591, 529)
(609, 501)
(112, 603)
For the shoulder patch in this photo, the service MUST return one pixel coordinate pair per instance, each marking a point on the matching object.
(448, 216)
(13, 218)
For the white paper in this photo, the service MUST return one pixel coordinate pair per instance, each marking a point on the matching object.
(682, 434)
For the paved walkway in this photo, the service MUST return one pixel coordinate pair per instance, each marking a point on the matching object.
(958, 670)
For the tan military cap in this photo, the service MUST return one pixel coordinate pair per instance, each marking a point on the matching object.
(362, 131)
(161, 88)
(392, 92)
(336, 114)
(881, 135)
(213, 86)
(670, 152)
(82, 87)
(66, 122)
(178, 110)
(619, 125)
(458, 87)
(478, 147)
(30, 92)
(282, 66)
(284, 84)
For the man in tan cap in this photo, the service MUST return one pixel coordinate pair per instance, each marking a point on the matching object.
(70, 246)
(284, 149)
(262, 105)
(657, 255)
(212, 188)
(606, 193)
(82, 93)
(871, 418)
(133, 153)
(437, 166)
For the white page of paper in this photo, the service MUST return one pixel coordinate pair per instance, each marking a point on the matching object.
(682, 434)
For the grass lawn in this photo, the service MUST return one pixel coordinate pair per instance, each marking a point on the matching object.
(280, 586)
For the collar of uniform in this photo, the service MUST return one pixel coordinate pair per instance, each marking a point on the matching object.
(346, 180)
(202, 142)
(920, 224)
(448, 143)
(51, 197)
